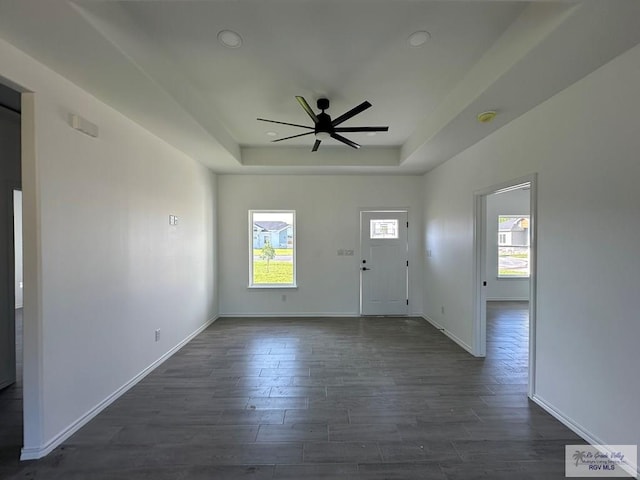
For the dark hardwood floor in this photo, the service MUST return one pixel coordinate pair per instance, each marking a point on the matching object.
(323, 398)
(11, 411)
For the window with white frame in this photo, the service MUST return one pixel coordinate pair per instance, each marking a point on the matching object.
(272, 252)
(513, 246)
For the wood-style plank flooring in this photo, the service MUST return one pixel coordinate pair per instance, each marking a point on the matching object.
(11, 411)
(323, 398)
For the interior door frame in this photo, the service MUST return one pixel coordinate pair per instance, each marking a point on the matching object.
(480, 269)
(359, 251)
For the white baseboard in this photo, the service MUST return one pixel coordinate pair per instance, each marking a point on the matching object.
(305, 315)
(566, 421)
(449, 334)
(578, 429)
(510, 299)
(289, 314)
(33, 453)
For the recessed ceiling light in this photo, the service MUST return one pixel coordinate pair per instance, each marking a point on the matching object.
(229, 38)
(418, 38)
(271, 133)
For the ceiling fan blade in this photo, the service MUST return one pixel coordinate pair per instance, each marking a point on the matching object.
(292, 136)
(361, 129)
(346, 141)
(315, 146)
(303, 103)
(285, 123)
(351, 113)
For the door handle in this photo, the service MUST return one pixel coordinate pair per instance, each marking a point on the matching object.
(365, 268)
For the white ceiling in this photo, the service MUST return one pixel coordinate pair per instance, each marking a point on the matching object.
(159, 62)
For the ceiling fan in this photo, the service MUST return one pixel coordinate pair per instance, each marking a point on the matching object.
(324, 127)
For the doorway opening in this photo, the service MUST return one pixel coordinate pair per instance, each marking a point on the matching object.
(11, 336)
(384, 264)
(505, 276)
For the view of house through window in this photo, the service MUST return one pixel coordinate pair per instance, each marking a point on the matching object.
(513, 245)
(272, 249)
(383, 228)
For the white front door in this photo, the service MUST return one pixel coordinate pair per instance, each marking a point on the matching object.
(383, 263)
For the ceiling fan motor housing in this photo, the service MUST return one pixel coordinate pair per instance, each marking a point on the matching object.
(324, 123)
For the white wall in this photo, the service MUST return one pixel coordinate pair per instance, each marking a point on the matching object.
(103, 268)
(584, 144)
(515, 202)
(327, 219)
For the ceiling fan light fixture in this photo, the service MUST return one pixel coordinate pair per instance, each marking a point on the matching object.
(229, 38)
(322, 135)
(416, 39)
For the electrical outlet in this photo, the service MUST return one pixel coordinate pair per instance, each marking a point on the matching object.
(442, 310)
(341, 252)
(348, 253)
(157, 335)
(284, 298)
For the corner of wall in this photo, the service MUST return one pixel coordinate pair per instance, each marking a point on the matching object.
(33, 403)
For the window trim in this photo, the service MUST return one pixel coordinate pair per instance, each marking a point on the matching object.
(294, 284)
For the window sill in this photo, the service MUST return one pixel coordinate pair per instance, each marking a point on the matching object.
(278, 287)
(512, 278)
